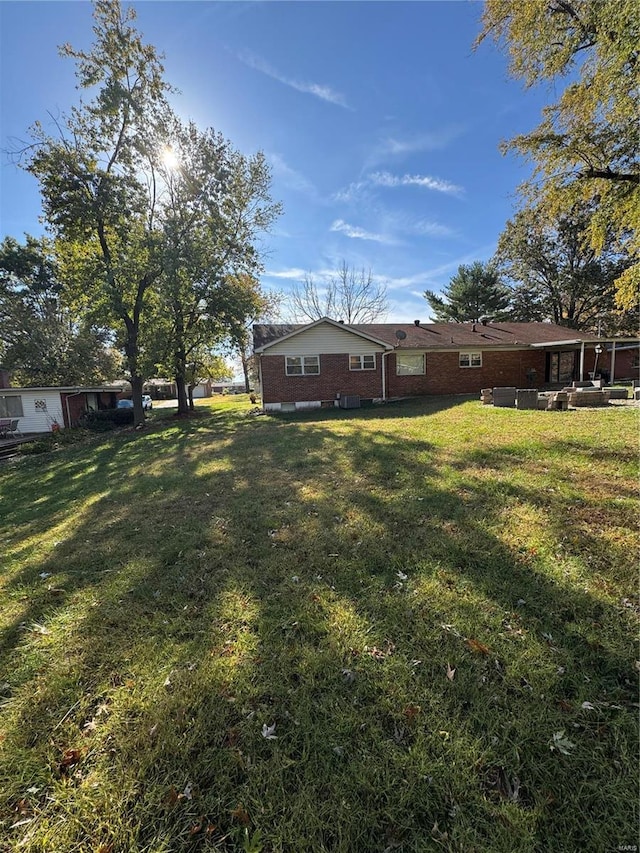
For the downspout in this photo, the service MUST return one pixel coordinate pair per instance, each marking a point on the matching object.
(582, 361)
(67, 398)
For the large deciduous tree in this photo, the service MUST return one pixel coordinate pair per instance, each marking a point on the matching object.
(44, 340)
(154, 215)
(97, 175)
(474, 292)
(586, 150)
(348, 294)
(217, 204)
(557, 275)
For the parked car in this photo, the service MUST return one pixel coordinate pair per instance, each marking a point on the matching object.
(147, 403)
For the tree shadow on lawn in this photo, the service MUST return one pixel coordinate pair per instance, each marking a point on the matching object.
(280, 600)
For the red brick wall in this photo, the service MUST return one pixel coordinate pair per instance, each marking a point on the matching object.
(445, 376)
(334, 376)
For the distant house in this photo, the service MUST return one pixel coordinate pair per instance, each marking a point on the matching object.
(46, 409)
(321, 363)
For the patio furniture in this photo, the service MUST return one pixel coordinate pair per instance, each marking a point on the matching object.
(13, 428)
(504, 397)
(5, 423)
(527, 398)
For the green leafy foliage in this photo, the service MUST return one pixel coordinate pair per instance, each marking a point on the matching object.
(586, 147)
(44, 338)
(557, 275)
(152, 215)
(474, 292)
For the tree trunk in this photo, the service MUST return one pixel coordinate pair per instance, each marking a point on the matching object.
(245, 370)
(192, 407)
(181, 386)
(137, 383)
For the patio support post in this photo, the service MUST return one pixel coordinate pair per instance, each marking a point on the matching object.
(582, 361)
(612, 364)
(384, 378)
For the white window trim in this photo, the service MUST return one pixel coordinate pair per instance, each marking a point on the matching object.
(411, 355)
(302, 360)
(362, 358)
(17, 397)
(469, 355)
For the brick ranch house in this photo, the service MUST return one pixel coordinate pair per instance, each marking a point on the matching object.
(317, 364)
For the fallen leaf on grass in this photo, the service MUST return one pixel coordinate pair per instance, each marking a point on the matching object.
(23, 807)
(70, 757)
(560, 743)
(268, 732)
(411, 712)
(588, 706)
(240, 814)
(565, 706)
(172, 796)
(39, 629)
(451, 673)
(478, 647)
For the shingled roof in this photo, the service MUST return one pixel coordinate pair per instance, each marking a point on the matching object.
(441, 335)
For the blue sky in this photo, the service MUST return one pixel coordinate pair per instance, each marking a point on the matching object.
(380, 122)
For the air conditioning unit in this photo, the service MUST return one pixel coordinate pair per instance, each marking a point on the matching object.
(349, 401)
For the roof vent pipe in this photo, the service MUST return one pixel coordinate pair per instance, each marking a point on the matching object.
(417, 322)
(473, 328)
(341, 322)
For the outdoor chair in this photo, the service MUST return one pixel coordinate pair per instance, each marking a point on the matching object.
(13, 430)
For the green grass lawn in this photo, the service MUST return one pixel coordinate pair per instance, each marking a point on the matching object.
(408, 628)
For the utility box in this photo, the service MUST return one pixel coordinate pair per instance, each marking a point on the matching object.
(527, 398)
(349, 401)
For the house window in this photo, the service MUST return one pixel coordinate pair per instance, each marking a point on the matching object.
(362, 362)
(470, 359)
(409, 365)
(302, 365)
(11, 407)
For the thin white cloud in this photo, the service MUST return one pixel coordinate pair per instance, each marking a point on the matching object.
(351, 193)
(291, 274)
(325, 93)
(290, 177)
(386, 179)
(399, 147)
(431, 229)
(357, 233)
